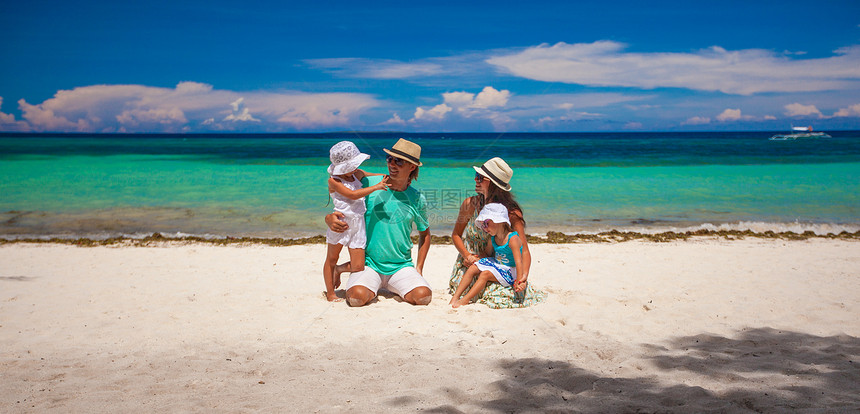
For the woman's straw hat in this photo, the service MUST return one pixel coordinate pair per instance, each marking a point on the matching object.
(406, 150)
(345, 158)
(498, 171)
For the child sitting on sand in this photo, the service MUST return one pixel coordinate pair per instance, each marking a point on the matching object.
(503, 262)
(347, 194)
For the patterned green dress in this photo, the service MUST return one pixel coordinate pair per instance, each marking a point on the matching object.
(494, 295)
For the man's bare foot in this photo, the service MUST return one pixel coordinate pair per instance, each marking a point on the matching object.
(332, 297)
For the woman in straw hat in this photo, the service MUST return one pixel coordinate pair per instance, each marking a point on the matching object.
(492, 185)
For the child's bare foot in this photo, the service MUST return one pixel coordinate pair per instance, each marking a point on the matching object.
(332, 297)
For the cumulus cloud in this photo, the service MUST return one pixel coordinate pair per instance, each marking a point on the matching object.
(697, 120)
(800, 110)
(489, 97)
(729, 115)
(744, 72)
(240, 112)
(851, 111)
(435, 113)
(395, 120)
(486, 105)
(9, 123)
(189, 106)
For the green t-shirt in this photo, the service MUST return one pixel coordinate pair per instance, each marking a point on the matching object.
(389, 219)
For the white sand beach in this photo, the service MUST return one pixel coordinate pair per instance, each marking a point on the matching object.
(686, 326)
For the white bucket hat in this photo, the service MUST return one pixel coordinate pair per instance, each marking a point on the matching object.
(498, 171)
(495, 212)
(345, 157)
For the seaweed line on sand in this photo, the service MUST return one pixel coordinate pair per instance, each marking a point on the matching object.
(552, 237)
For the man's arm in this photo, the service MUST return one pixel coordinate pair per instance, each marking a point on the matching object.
(423, 248)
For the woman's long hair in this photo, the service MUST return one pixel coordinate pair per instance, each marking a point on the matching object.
(497, 195)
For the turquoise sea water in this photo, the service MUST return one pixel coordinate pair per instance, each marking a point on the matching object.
(274, 186)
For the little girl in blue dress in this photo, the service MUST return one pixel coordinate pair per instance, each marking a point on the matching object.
(501, 264)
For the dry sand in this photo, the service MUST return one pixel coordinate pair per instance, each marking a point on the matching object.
(686, 326)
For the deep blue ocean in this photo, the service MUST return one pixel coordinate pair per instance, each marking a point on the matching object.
(83, 185)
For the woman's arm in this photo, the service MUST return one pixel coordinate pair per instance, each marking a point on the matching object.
(463, 217)
(338, 187)
(519, 226)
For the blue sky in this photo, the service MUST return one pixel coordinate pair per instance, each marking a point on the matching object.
(215, 66)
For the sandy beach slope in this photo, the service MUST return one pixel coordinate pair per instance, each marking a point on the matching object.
(687, 326)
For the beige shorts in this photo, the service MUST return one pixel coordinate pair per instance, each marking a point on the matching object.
(400, 283)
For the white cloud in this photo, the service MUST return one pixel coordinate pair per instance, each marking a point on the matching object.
(236, 104)
(9, 123)
(395, 120)
(697, 120)
(459, 99)
(188, 106)
(745, 72)
(240, 112)
(851, 111)
(729, 115)
(490, 97)
(436, 113)
(377, 69)
(633, 125)
(800, 110)
(487, 105)
(152, 116)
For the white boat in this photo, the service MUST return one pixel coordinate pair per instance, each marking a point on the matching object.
(799, 132)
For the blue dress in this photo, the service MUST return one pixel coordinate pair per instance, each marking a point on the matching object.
(502, 264)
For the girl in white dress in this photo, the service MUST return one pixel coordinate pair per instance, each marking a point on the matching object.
(347, 194)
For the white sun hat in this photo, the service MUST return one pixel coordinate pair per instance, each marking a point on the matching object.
(345, 158)
(495, 212)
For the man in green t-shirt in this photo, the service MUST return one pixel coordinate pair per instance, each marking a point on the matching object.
(389, 218)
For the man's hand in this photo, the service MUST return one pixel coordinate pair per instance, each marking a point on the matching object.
(335, 222)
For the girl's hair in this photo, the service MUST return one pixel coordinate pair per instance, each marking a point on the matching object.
(413, 176)
(497, 195)
(507, 228)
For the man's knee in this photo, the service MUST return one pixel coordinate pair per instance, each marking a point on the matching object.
(420, 296)
(358, 296)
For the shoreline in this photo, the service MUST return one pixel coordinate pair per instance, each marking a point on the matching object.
(552, 237)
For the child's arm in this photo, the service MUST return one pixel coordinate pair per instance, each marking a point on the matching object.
(488, 250)
(338, 187)
(515, 243)
(359, 174)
